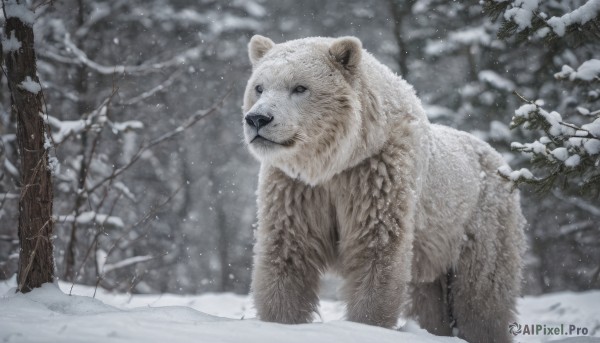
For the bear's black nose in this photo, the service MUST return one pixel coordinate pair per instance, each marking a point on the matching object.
(258, 120)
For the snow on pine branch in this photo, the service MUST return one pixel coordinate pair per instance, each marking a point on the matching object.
(566, 149)
(531, 16)
(521, 12)
(581, 15)
(587, 71)
(515, 175)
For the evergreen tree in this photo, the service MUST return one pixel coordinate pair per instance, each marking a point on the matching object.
(568, 150)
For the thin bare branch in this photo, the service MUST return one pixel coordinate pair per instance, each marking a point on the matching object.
(195, 118)
(144, 219)
(523, 98)
(145, 95)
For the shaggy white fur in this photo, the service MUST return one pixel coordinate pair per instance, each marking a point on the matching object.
(354, 178)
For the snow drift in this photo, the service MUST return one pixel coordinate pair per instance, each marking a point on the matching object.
(49, 314)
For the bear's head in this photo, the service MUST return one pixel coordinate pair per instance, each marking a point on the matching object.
(304, 106)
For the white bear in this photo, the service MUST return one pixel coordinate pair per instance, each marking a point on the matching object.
(354, 178)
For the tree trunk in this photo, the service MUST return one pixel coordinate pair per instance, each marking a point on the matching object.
(81, 87)
(401, 9)
(36, 261)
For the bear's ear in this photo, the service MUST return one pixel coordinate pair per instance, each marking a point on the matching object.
(346, 51)
(258, 47)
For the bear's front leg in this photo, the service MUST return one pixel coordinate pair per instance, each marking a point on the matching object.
(294, 246)
(376, 220)
(376, 282)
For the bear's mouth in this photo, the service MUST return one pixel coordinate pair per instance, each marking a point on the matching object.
(258, 139)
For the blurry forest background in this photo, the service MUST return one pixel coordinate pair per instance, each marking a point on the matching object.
(178, 217)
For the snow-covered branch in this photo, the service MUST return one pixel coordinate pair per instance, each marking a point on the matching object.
(565, 150)
(588, 71)
(529, 18)
(89, 217)
(579, 16)
(102, 256)
(179, 59)
(66, 128)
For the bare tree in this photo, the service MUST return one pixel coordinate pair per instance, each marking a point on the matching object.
(36, 262)
(401, 9)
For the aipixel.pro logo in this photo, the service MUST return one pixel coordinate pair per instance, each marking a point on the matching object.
(547, 330)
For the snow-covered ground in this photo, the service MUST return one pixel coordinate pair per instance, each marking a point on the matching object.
(49, 314)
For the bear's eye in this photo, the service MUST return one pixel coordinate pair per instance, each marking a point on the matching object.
(299, 89)
(258, 89)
